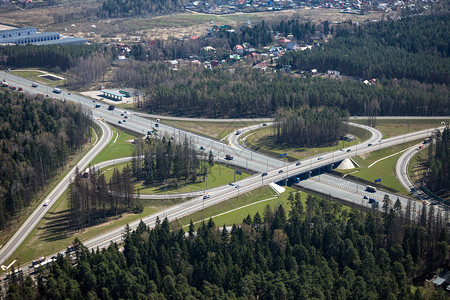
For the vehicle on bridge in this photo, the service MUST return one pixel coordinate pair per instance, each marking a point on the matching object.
(371, 189)
(229, 157)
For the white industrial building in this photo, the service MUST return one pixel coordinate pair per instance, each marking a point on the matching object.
(29, 35)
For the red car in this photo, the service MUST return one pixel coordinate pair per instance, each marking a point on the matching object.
(20, 89)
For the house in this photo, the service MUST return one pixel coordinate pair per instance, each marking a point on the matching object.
(238, 49)
(314, 71)
(443, 279)
(292, 46)
(261, 66)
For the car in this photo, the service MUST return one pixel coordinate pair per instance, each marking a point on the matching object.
(68, 93)
(53, 257)
(263, 174)
(349, 150)
(232, 184)
(341, 149)
(298, 163)
(124, 111)
(156, 125)
(365, 197)
(20, 89)
(206, 197)
(46, 96)
(124, 121)
(202, 148)
(97, 105)
(264, 124)
(172, 138)
(281, 171)
(236, 186)
(121, 115)
(425, 202)
(320, 158)
(120, 122)
(93, 100)
(368, 145)
(126, 117)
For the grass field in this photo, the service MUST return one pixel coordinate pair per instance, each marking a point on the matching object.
(263, 140)
(34, 76)
(216, 130)
(220, 175)
(391, 128)
(244, 199)
(384, 169)
(119, 146)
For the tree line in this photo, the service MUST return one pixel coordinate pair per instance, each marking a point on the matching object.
(45, 56)
(318, 250)
(131, 8)
(37, 137)
(157, 160)
(195, 91)
(92, 200)
(309, 127)
(438, 177)
(414, 48)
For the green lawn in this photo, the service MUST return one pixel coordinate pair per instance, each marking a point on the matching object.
(35, 76)
(220, 175)
(119, 146)
(263, 140)
(216, 130)
(385, 170)
(393, 127)
(244, 199)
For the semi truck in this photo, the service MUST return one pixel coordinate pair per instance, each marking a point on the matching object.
(5, 84)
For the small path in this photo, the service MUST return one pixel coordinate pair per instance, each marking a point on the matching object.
(116, 137)
(387, 157)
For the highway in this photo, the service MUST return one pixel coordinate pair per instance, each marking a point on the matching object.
(24, 230)
(242, 157)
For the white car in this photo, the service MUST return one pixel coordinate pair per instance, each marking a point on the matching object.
(320, 158)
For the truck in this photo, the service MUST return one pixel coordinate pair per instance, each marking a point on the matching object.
(57, 91)
(238, 132)
(371, 189)
(229, 157)
(5, 84)
(111, 107)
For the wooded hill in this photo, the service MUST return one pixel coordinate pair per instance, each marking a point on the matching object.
(317, 251)
(306, 127)
(131, 8)
(415, 48)
(195, 91)
(37, 137)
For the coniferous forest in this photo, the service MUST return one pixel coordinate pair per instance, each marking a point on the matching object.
(37, 137)
(306, 127)
(414, 48)
(318, 250)
(438, 177)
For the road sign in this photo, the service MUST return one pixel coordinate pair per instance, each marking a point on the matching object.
(282, 155)
(377, 180)
(238, 172)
